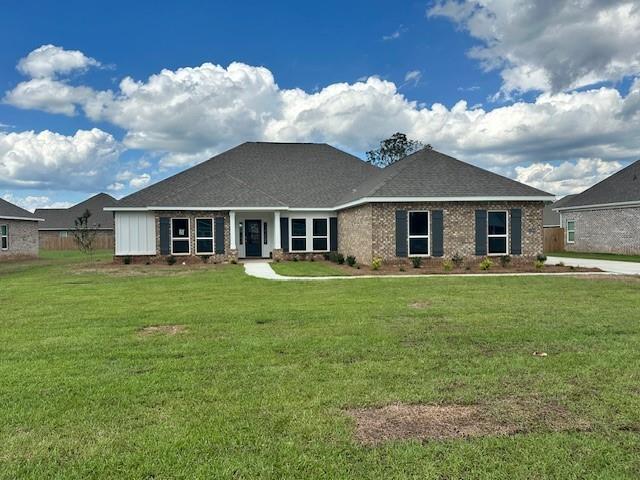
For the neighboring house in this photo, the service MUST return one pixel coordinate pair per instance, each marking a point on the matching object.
(56, 232)
(550, 217)
(18, 232)
(605, 217)
(293, 199)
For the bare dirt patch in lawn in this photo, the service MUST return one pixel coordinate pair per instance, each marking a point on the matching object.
(444, 422)
(420, 305)
(161, 330)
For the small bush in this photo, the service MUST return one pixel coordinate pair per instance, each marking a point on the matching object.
(234, 261)
(447, 265)
(486, 264)
(312, 259)
(127, 260)
(505, 260)
(416, 262)
(457, 260)
(541, 257)
(561, 264)
(295, 259)
(340, 259)
(376, 263)
(205, 258)
(351, 260)
(171, 260)
(538, 264)
(402, 269)
(326, 256)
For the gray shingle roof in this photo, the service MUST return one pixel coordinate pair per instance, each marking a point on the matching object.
(9, 210)
(260, 174)
(310, 175)
(551, 218)
(64, 218)
(622, 186)
(429, 173)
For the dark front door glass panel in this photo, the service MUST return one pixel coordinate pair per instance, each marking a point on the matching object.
(253, 238)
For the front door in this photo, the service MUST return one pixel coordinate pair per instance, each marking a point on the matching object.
(253, 239)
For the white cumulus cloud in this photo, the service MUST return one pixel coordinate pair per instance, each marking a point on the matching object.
(49, 60)
(140, 181)
(550, 45)
(31, 202)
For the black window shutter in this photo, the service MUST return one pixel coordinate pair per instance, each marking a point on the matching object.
(401, 233)
(481, 232)
(437, 233)
(284, 233)
(333, 234)
(516, 231)
(165, 235)
(219, 234)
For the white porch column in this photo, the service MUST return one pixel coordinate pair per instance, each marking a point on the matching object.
(232, 230)
(276, 231)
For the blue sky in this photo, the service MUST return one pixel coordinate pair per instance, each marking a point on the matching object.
(112, 99)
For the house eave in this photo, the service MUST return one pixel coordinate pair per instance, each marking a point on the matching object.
(596, 206)
(360, 201)
(27, 219)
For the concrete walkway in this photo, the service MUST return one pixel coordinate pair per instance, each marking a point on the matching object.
(611, 266)
(262, 269)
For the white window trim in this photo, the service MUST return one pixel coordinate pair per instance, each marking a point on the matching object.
(188, 237)
(212, 237)
(427, 236)
(305, 236)
(505, 235)
(572, 230)
(326, 237)
(6, 227)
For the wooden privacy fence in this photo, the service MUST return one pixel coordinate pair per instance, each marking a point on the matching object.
(553, 239)
(53, 241)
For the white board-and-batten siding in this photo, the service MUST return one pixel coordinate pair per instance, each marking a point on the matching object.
(135, 233)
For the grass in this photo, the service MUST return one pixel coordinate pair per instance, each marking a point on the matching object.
(307, 269)
(256, 384)
(597, 256)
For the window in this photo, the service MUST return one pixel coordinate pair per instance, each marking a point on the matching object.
(264, 232)
(204, 235)
(571, 231)
(298, 234)
(4, 237)
(63, 234)
(180, 240)
(320, 234)
(418, 233)
(241, 233)
(497, 233)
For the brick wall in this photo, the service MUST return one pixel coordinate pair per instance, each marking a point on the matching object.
(355, 232)
(368, 231)
(613, 230)
(23, 239)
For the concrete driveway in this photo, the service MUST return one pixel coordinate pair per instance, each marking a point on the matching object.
(626, 268)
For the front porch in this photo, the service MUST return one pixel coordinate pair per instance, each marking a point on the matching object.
(253, 234)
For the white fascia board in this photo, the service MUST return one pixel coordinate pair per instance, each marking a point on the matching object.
(360, 201)
(633, 203)
(4, 217)
(201, 209)
(69, 229)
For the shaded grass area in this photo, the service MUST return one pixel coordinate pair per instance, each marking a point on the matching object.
(597, 256)
(307, 269)
(256, 383)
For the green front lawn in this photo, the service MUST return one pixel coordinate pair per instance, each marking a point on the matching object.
(597, 256)
(307, 269)
(255, 384)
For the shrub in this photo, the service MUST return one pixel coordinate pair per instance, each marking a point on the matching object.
(234, 261)
(376, 263)
(127, 260)
(505, 260)
(561, 264)
(402, 269)
(447, 265)
(327, 256)
(486, 264)
(339, 259)
(416, 262)
(541, 257)
(312, 259)
(171, 260)
(295, 259)
(457, 260)
(351, 260)
(538, 264)
(205, 258)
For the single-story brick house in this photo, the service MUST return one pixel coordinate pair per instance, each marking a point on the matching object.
(56, 232)
(299, 199)
(605, 217)
(18, 232)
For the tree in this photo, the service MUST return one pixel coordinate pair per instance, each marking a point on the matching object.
(393, 149)
(85, 234)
